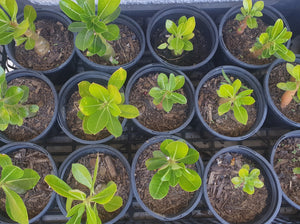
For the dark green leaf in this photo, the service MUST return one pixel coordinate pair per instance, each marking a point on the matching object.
(77, 27)
(71, 9)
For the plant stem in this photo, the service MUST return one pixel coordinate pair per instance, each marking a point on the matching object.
(41, 46)
(288, 95)
(243, 26)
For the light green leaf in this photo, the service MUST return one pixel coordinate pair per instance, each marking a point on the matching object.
(77, 27)
(188, 27)
(163, 146)
(11, 172)
(77, 195)
(114, 94)
(107, 7)
(90, 214)
(188, 46)
(156, 163)
(99, 92)
(112, 16)
(114, 126)
(129, 111)
(240, 114)
(6, 38)
(252, 23)
(30, 43)
(239, 17)
(89, 105)
(264, 38)
(174, 177)
(106, 194)
(98, 121)
(118, 78)
(191, 157)
(162, 81)
(171, 26)
(247, 100)
(167, 104)
(246, 92)
(190, 180)
(182, 19)
(285, 54)
(258, 183)
(71, 9)
(84, 39)
(224, 108)
(5, 161)
(75, 209)
(179, 82)
(20, 40)
(225, 90)
(177, 150)
(82, 175)
(177, 98)
(83, 88)
(114, 204)
(112, 32)
(12, 9)
(21, 28)
(255, 173)
(258, 6)
(100, 27)
(237, 181)
(248, 189)
(76, 219)
(162, 46)
(247, 5)
(157, 188)
(177, 43)
(29, 13)
(59, 186)
(3, 17)
(243, 173)
(114, 109)
(4, 116)
(277, 28)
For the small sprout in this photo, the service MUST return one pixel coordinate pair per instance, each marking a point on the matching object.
(294, 151)
(101, 107)
(291, 87)
(181, 35)
(279, 160)
(232, 100)
(247, 180)
(15, 181)
(170, 165)
(103, 196)
(247, 18)
(272, 43)
(294, 160)
(12, 107)
(296, 171)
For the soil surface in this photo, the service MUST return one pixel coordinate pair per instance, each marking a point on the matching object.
(36, 199)
(239, 45)
(234, 205)
(126, 48)
(280, 74)
(40, 94)
(176, 200)
(61, 47)
(286, 158)
(110, 169)
(226, 124)
(150, 116)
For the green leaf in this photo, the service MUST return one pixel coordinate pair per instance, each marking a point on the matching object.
(252, 23)
(167, 104)
(11, 172)
(118, 78)
(177, 150)
(77, 195)
(114, 94)
(156, 92)
(156, 163)
(90, 215)
(129, 111)
(182, 19)
(258, 183)
(296, 170)
(224, 108)
(240, 113)
(285, 54)
(106, 194)
(245, 92)
(188, 27)
(237, 181)
(264, 38)
(190, 180)
(296, 72)
(82, 175)
(107, 7)
(114, 204)
(177, 43)
(71, 9)
(225, 90)
(114, 126)
(89, 105)
(12, 9)
(77, 27)
(247, 5)
(4, 116)
(171, 26)
(59, 186)
(30, 43)
(191, 157)
(162, 46)
(75, 209)
(258, 6)
(179, 82)
(98, 121)
(255, 173)
(69, 202)
(162, 81)
(188, 46)
(239, 17)
(5, 161)
(6, 38)
(20, 40)
(174, 177)
(247, 100)
(76, 219)
(100, 27)
(112, 16)
(248, 189)
(25, 93)
(277, 28)
(178, 98)
(243, 173)
(3, 17)
(163, 146)
(29, 13)
(84, 39)
(157, 188)
(114, 110)
(21, 28)
(83, 88)
(112, 32)
(99, 92)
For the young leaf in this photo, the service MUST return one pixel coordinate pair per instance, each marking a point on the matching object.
(191, 157)
(82, 175)
(11, 172)
(190, 180)
(106, 194)
(77, 195)
(5, 160)
(76, 219)
(71, 9)
(155, 163)
(114, 204)
(107, 7)
(59, 186)
(90, 214)
(97, 121)
(177, 150)
(240, 113)
(114, 126)
(157, 188)
(118, 78)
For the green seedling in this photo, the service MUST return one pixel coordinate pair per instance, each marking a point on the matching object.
(247, 18)
(94, 28)
(101, 107)
(272, 43)
(181, 35)
(169, 163)
(10, 29)
(164, 95)
(15, 181)
(12, 107)
(104, 195)
(291, 87)
(248, 180)
(232, 99)
(296, 171)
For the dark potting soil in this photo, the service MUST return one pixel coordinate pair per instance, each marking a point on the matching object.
(187, 58)
(226, 124)
(36, 199)
(40, 94)
(240, 45)
(286, 158)
(110, 169)
(176, 201)
(234, 205)
(150, 116)
(61, 47)
(280, 74)
(126, 48)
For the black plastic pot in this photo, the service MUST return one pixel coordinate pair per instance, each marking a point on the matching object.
(125, 20)
(63, 71)
(252, 82)
(292, 134)
(204, 24)
(270, 181)
(270, 16)
(65, 93)
(197, 196)
(158, 68)
(12, 147)
(65, 168)
(275, 116)
(33, 74)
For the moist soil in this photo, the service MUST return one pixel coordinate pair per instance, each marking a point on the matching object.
(110, 169)
(286, 158)
(239, 45)
(150, 116)
(226, 124)
(280, 74)
(187, 58)
(36, 199)
(61, 47)
(126, 48)
(234, 205)
(176, 201)
(40, 94)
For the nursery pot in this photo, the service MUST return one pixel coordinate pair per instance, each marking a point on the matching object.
(135, 28)
(65, 93)
(292, 134)
(65, 169)
(270, 15)
(154, 69)
(246, 78)
(272, 208)
(63, 71)
(199, 169)
(12, 147)
(38, 75)
(204, 24)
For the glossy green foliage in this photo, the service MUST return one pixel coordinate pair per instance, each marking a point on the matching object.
(88, 203)
(272, 43)
(165, 93)
(15, 181)
(102, 107)
(181, 35)
(12, 107)
(247, 180)
(234, 100)
(169, 163)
